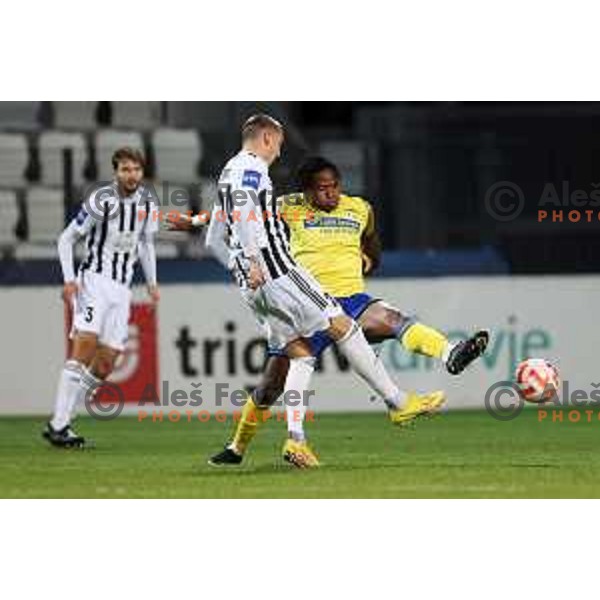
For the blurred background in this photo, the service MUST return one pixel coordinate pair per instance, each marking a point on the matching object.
(425, 166)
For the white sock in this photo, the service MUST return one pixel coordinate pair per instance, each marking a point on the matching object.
(368, 365)
(298, 379)
(88, 385)
(68, 386)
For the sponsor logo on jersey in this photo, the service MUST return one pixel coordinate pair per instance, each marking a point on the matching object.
(251, 179)
(81, 216)
(331, 223)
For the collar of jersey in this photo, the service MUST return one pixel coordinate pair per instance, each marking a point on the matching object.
(262, 160)
(131, 197)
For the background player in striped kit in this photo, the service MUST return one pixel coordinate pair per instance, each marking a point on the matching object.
(119, 227)
(286, 300)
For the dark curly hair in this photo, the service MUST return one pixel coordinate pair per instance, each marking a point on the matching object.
(313, 166)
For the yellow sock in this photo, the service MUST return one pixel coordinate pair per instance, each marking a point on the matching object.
(425, 340)
(246, 428)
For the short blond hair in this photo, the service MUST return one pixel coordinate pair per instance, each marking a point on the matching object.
(257, 123)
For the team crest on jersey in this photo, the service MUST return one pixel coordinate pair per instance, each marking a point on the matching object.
(251, 179)
(125, 241)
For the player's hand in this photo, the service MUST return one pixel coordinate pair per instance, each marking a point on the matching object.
(154, 293)
(367, 264)
(255, 275)
(70, 289)
(178, 221)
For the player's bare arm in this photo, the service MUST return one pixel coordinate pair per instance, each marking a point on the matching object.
(179, 221)
(370, 245)
(256, 277)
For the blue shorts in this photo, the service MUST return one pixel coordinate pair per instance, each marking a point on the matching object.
(353, 306)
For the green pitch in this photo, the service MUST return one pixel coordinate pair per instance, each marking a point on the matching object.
(461, 454)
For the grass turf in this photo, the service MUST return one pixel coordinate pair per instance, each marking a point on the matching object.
(460, 454)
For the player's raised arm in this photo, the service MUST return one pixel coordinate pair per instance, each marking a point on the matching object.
(178, 221)
(370, 244)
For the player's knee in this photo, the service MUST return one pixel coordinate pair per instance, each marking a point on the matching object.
(396, 322)
(339, 327)
(74, 366)
(84, 348)
(103, 365)
(100, 371)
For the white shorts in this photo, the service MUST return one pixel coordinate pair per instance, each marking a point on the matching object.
(292, 306)
(102, 307)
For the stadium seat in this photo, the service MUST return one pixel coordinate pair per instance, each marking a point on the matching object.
(177, 154)
(75, 115)
(51, 146)
(136, 115)
(9, 215)
(45, 214)
(349, 156)
(14, 158)
(19, 115)
(209, 116)
(106, 142)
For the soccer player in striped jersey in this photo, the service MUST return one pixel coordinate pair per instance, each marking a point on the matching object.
(333, 236)
(118, 224)
(245, 233)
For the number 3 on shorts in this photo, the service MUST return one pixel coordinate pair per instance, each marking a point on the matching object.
(89, 314)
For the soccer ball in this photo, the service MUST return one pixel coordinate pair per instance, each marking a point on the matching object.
(538, 379)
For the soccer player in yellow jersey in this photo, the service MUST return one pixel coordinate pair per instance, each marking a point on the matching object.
(333, 236)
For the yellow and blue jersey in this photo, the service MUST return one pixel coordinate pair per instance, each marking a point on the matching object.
(328, 243)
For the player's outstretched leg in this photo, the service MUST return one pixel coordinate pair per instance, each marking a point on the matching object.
(463, 353)
(402, 407)
(380, 321)
(456, 356)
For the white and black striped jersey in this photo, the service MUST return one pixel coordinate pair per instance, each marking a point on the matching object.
(113, 225)
(247, 205)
